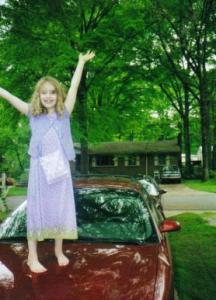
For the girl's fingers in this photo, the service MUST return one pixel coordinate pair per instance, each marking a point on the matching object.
(91, 55)
(88, 55)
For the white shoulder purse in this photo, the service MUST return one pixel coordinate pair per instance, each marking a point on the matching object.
(54, 167)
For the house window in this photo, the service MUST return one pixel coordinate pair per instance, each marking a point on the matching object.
(132, 160)
(105, 160)
(162, 161)
(93, 161)
(173, 160)
(167, 160)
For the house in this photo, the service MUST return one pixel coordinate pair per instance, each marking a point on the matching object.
(196, 159)
(131, 157)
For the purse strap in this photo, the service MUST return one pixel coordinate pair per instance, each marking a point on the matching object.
(52, 122)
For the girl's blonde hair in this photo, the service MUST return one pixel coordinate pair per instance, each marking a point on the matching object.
(36, 106)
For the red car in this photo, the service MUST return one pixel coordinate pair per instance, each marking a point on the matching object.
(122, 252)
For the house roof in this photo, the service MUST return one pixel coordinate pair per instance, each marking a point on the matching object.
(131, 147)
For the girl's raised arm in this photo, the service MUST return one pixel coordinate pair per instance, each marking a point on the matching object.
(16, 102)
(72, 92)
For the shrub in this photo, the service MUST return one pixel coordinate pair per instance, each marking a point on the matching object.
(212, 174)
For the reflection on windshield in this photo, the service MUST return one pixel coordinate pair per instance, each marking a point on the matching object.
(102, 214)
(15, 224)
(115, 214)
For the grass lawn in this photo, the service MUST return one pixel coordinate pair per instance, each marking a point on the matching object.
(17, 191)
(194, 257)
(3, 215)
(208, 186)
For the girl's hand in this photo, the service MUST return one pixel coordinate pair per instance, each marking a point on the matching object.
(87, 56)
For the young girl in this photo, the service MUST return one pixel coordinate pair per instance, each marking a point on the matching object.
(50, 201)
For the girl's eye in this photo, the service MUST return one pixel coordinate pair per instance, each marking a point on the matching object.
(47, 93)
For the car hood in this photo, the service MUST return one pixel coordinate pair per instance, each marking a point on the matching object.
(96, 271)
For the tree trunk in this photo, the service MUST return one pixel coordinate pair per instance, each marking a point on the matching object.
(19, 160)
(214, 150)
(213, 123)
(82, 116)
(180, 142)
(188, 168)
(204, 113)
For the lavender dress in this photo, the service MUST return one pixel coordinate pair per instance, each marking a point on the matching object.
(50, 207)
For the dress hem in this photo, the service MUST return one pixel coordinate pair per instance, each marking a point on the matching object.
(52, 234)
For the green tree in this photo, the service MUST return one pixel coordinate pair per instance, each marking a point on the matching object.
(143, 81)
(184, 31)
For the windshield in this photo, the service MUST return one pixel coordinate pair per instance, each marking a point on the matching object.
(171, 168)
(102, 214)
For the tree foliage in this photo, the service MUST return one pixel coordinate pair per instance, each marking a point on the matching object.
(150, 79)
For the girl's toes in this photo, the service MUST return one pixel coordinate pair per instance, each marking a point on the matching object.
(62, 260)
(36, 267)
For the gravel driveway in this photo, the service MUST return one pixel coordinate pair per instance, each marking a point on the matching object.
(181, 197)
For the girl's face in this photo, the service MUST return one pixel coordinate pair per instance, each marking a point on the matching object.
(48, 95)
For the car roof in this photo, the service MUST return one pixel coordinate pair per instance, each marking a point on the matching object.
(107, 181)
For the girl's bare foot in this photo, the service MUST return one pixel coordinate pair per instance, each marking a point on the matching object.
(62, 260)
(36, 267)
